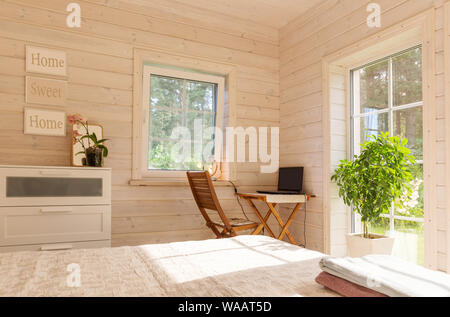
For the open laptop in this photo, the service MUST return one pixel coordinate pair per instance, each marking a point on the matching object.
(290, 182)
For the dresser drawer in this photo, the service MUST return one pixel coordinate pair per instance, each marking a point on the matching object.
(54, 186)
(50, 224)
(58, 246)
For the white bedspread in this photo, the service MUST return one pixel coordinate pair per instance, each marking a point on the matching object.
(242, 266)
(389, 275)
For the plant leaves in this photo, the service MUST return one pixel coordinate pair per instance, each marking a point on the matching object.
(373, 181)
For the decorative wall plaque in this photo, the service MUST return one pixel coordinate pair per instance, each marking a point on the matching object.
(46, 61)
(44, 122)
(45, 91)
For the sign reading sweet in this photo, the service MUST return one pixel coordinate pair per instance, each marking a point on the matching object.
(45, 91)
(44, 122)
(46, 61)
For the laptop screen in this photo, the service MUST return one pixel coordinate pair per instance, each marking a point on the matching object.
(290, 179)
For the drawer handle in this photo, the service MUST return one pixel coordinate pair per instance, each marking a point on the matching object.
(56, 210)
(55, 173)
(56, 247)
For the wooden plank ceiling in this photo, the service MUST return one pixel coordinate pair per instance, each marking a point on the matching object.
(272, 13)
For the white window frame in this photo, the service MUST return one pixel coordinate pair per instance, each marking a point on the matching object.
(355, 126)
(148, 71)
(413, 31)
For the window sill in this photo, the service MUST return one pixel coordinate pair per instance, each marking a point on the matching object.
(174, 182)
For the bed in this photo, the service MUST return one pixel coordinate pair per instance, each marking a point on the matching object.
(245, 266)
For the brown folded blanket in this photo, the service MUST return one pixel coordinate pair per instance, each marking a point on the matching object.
(345, 288)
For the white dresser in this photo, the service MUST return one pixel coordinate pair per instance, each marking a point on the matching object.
(54, 208)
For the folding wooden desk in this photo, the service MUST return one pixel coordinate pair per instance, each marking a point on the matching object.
(272, 201)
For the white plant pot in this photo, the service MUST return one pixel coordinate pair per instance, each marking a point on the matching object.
(357, 246)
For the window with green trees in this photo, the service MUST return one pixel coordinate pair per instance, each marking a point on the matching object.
(387, 97)
(183, 112)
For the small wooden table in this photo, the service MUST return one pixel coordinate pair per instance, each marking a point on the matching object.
(272, 201)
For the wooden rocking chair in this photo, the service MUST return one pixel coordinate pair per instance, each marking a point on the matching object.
(206, 198)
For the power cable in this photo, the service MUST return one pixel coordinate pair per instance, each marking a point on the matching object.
(238, 200)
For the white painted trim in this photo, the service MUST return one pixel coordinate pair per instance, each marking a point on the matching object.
(153, 70)
(156, 57)
(393, 108)
(421, 28)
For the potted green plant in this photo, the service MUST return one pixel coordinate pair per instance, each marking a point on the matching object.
(95, 150)
(371, 183)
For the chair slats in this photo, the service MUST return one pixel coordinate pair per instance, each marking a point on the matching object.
(200, 181)
(208, 205)
(197, 175)
(203, 190)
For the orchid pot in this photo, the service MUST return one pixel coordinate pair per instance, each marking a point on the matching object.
(94, 157)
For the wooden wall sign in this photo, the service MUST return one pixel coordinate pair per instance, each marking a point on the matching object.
(45, 61)
(44, 122)
(45, 91)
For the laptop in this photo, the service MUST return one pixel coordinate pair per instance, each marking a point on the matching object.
(290, 182)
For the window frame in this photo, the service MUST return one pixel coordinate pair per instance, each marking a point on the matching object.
(390, 110)
(413, 31)
(185, 74)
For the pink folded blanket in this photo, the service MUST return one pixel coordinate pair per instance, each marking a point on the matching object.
(345, 288)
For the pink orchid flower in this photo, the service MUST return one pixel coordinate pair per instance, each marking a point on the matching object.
(74, 118)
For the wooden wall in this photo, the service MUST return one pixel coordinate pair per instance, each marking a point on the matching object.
(279, 83)
(304, 42)
(100, 86)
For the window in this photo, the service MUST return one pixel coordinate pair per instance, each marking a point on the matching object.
(182, 110)
(387, 97)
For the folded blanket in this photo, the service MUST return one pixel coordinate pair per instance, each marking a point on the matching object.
(345, 288)
(389, 275)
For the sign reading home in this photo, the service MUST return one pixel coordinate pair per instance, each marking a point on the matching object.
(46, 61)
(44, 122)
(45, 91)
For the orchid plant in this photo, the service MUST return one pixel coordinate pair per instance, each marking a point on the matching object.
(93, 141)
